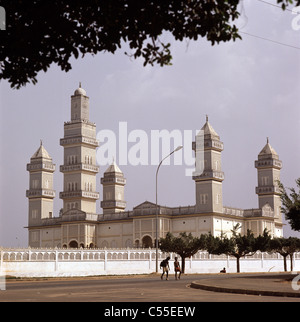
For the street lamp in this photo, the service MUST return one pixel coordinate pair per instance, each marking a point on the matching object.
(156, 222)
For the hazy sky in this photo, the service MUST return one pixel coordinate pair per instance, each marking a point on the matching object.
(250, 90)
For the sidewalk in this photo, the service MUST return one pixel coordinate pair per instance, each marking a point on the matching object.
(268, 284)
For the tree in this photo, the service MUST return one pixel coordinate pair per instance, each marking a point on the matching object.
(262, 242)
(291, 205)
(237, 245)
(285, 247)
(185, 245)
(41, 32)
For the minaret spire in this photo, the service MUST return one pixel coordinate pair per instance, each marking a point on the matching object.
(40, 193)
(79, 180)
(208, 174)
(268, 169)
(113, 183)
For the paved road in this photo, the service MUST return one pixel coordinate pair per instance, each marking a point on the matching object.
(121, 289)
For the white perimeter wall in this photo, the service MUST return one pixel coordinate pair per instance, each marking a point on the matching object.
(61, 262)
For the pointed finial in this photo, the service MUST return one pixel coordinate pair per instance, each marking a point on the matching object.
(79, 84)
(267, 139)
(206, 118)
(41, 141)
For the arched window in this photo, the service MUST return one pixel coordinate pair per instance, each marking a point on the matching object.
(73, 244)
(147, 242)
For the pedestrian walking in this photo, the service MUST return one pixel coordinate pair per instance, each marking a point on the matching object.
(165, 266)
(177, 268)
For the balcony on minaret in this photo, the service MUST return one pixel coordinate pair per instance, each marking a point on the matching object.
(267, 190)
(38, 193)
(214, 145)
(114, 204)
(113, 180)
(209, 175)
(80, 166)
(47, 166)
(209, 144)
(79, 140)
(268, 163)
(79, 194)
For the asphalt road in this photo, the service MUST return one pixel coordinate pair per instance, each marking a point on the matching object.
(148, 288)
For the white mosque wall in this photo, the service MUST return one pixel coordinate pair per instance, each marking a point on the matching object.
(89, 262)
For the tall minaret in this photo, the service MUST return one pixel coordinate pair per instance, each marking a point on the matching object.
(268, 172)
(208, 175)
(113, 190)
(79, 166)
(40, 194)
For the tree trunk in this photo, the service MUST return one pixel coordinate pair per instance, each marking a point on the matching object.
(182, 264)
(291, 258)
(238, 264)
(284, 263)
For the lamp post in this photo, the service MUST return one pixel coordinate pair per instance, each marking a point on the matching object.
(156, 222)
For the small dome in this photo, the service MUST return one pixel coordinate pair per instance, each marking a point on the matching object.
(208, 129)
(80, 91)
(267, 151)
(113, 168)
(41, 152)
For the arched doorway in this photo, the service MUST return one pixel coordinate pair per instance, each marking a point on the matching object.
(147, 242)
(73, 244)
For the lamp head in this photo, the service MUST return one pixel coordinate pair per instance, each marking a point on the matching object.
(178, 148)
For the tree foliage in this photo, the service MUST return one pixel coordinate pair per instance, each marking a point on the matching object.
(41, 32)
(291, 205)
(285, 247)
(185, 245)
(237, 245)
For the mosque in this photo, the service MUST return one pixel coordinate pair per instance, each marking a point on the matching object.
(78, 224)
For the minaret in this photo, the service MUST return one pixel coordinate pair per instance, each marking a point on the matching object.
(268, 172)
(113, 190)
(79, 166)
(40, 194)
(208, 175)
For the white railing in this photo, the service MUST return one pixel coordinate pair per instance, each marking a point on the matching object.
(32, 262)
(74, 254)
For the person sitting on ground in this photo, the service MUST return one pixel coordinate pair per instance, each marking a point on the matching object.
(223, 270)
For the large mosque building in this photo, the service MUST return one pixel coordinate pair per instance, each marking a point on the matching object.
(78, 224)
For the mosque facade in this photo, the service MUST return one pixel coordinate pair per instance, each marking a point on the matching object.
(78, 224)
